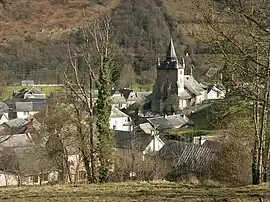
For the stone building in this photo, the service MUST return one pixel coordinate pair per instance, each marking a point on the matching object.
(171, 81)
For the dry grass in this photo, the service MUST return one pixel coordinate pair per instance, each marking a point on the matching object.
(135, 191)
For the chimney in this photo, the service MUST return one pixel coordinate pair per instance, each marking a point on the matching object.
(158, 61)
(200, 140)
(184, 64)
(191, 70)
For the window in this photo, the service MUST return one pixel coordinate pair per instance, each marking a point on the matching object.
(25, 113)
(35, 178)
(114, 127)
(44, 176)
(82, 174)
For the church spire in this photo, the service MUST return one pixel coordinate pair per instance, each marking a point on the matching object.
(171, 55)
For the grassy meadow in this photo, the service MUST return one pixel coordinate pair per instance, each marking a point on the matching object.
(135, 191)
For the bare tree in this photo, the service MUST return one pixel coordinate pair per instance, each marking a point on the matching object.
(86, 58)
(238, 31)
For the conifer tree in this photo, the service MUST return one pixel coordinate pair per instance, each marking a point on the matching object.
(105, 136)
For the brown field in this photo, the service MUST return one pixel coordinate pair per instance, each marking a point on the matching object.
(136, 191)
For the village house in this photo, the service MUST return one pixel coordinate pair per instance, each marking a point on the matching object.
(23, 159)
(214, 93)
(172, 81)
(135, 97)
(119, 120)
(165, 122)
(118, 100)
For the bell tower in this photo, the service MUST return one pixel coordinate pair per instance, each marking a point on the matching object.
(170, 78)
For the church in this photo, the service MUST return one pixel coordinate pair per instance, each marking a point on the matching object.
(172, 81)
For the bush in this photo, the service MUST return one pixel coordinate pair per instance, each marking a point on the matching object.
(232, 164)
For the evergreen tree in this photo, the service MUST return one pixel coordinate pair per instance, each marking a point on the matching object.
(105, 137)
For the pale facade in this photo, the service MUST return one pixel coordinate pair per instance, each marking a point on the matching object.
(25, 114)
(9, 179)
(154, 146)
(214, 93)
(119, 120)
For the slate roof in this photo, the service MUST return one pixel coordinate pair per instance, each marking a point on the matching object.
(197, 157)
(24, 106)
(194, 157)
(184, 95)
(118, 100)
(16, 123)
(172, 149)
(146, 128)
(168, 122)
(117, 113)
(192, 85)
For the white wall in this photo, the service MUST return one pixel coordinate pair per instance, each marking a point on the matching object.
(4, 118)
(155, 145)
(7, 179)
(120, 106)
(118, 123)
(182, 104)
(201, 98)
(212, 95)
(25, 115)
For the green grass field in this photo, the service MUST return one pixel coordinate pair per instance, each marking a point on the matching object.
(135, 191)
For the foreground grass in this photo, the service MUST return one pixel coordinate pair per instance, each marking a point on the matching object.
(135, 191)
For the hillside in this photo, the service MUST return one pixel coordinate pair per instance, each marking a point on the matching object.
(34, 34)
(135, 191)
(42, 18)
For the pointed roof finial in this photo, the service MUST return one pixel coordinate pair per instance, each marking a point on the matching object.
(171, 55)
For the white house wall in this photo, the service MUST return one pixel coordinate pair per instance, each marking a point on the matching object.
(25, 115)
(120, 106)
(7, 179)
(201, 98)
(155, 145)
(4, 118)
(118, 123)
(182, 104)
(212, 95)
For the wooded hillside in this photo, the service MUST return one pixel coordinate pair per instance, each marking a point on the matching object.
(34, 36)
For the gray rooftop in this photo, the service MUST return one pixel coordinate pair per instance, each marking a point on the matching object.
(146, 128)
(117, 113)
(197, 157)
(24, 106)
(16, 123)
(192, 85)
(168, 122)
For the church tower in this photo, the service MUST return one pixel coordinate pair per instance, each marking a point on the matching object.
(170, 79)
